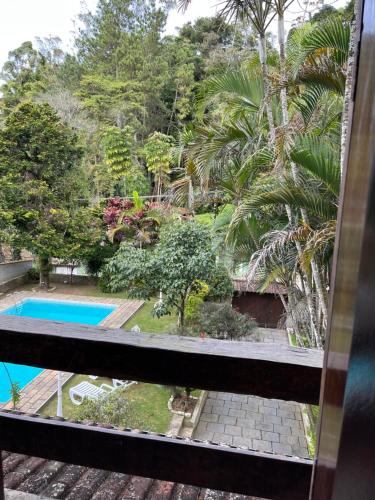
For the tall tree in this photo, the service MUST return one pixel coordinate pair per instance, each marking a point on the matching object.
(38, 155)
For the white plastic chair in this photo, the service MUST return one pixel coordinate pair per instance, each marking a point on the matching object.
(117, 383)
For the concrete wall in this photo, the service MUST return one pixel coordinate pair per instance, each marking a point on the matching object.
(12, 270)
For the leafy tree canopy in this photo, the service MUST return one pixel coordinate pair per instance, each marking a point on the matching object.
(182, 257)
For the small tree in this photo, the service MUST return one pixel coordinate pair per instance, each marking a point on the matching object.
(181, 258)
(158, 154)
(83, 232)
(15, 393)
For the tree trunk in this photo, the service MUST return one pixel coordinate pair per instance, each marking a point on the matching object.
(283, 96)
(285, 117)
(44, 268)
(181, 312)
(349, 82)
(266, 85)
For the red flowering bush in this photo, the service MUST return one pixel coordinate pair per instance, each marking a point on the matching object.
(115, 207)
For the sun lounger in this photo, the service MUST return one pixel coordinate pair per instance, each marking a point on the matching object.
(85, 390)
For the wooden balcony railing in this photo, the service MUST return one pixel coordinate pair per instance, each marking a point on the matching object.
(267, 370)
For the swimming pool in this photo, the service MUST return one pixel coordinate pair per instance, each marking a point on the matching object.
(69, 312)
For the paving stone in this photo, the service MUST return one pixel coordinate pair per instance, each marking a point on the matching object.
(222, 438)
(237, 405)
(216, 402)
(292, 440)
(215, 427)
(296, 424)
(298, 432)
(282, 449)
(285, 414)
(263, 426)
(260, 445)
(205, 436)
(225, 396)
(234, 430)
(237, 413)
(251, 433)
(209, 417)
(257, 417)
(302, 441)
(246, 422)
(272, 419)
(270, 436)
(242, 441)
(220, 410)
(240, 397)
(201, 427)
(266, 410)
(282, 429)
(273, 403)
(298, 451)
(251, 406)
(224, 419)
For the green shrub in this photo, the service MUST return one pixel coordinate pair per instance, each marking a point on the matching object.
(32, 274)
(114, 409)
(220, 285)
(97, 256)
(195, 299)
(221, 321)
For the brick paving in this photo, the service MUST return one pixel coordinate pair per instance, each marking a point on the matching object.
(267, 425)
(35, 394)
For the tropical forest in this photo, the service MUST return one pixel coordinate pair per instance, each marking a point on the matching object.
(169, 165)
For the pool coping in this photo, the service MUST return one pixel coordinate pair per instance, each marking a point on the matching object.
(31, 399)
(125, 308)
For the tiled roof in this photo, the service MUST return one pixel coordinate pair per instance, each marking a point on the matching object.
(243, 285)
(51, 479)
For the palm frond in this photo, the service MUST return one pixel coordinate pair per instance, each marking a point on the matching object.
(315, 156)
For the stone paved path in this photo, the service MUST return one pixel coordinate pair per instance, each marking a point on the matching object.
(267, 425)
(260, 424)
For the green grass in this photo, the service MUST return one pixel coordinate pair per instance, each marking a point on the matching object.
(147, 323)
(149, 402)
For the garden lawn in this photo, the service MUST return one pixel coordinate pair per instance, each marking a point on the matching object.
(148, 323)
(148, 400)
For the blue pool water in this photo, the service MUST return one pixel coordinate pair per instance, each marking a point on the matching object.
(70, 312)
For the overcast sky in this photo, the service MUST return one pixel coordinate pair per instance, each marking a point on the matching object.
(22, 20)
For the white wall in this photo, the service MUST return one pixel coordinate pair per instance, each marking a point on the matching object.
(12, 270)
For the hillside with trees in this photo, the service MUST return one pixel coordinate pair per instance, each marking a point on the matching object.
(114, 145)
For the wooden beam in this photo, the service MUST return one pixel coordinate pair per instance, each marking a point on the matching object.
(200, 464)
(267, 370)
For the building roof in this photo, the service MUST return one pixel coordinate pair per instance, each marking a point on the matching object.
(243, 285)
(51, 479)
